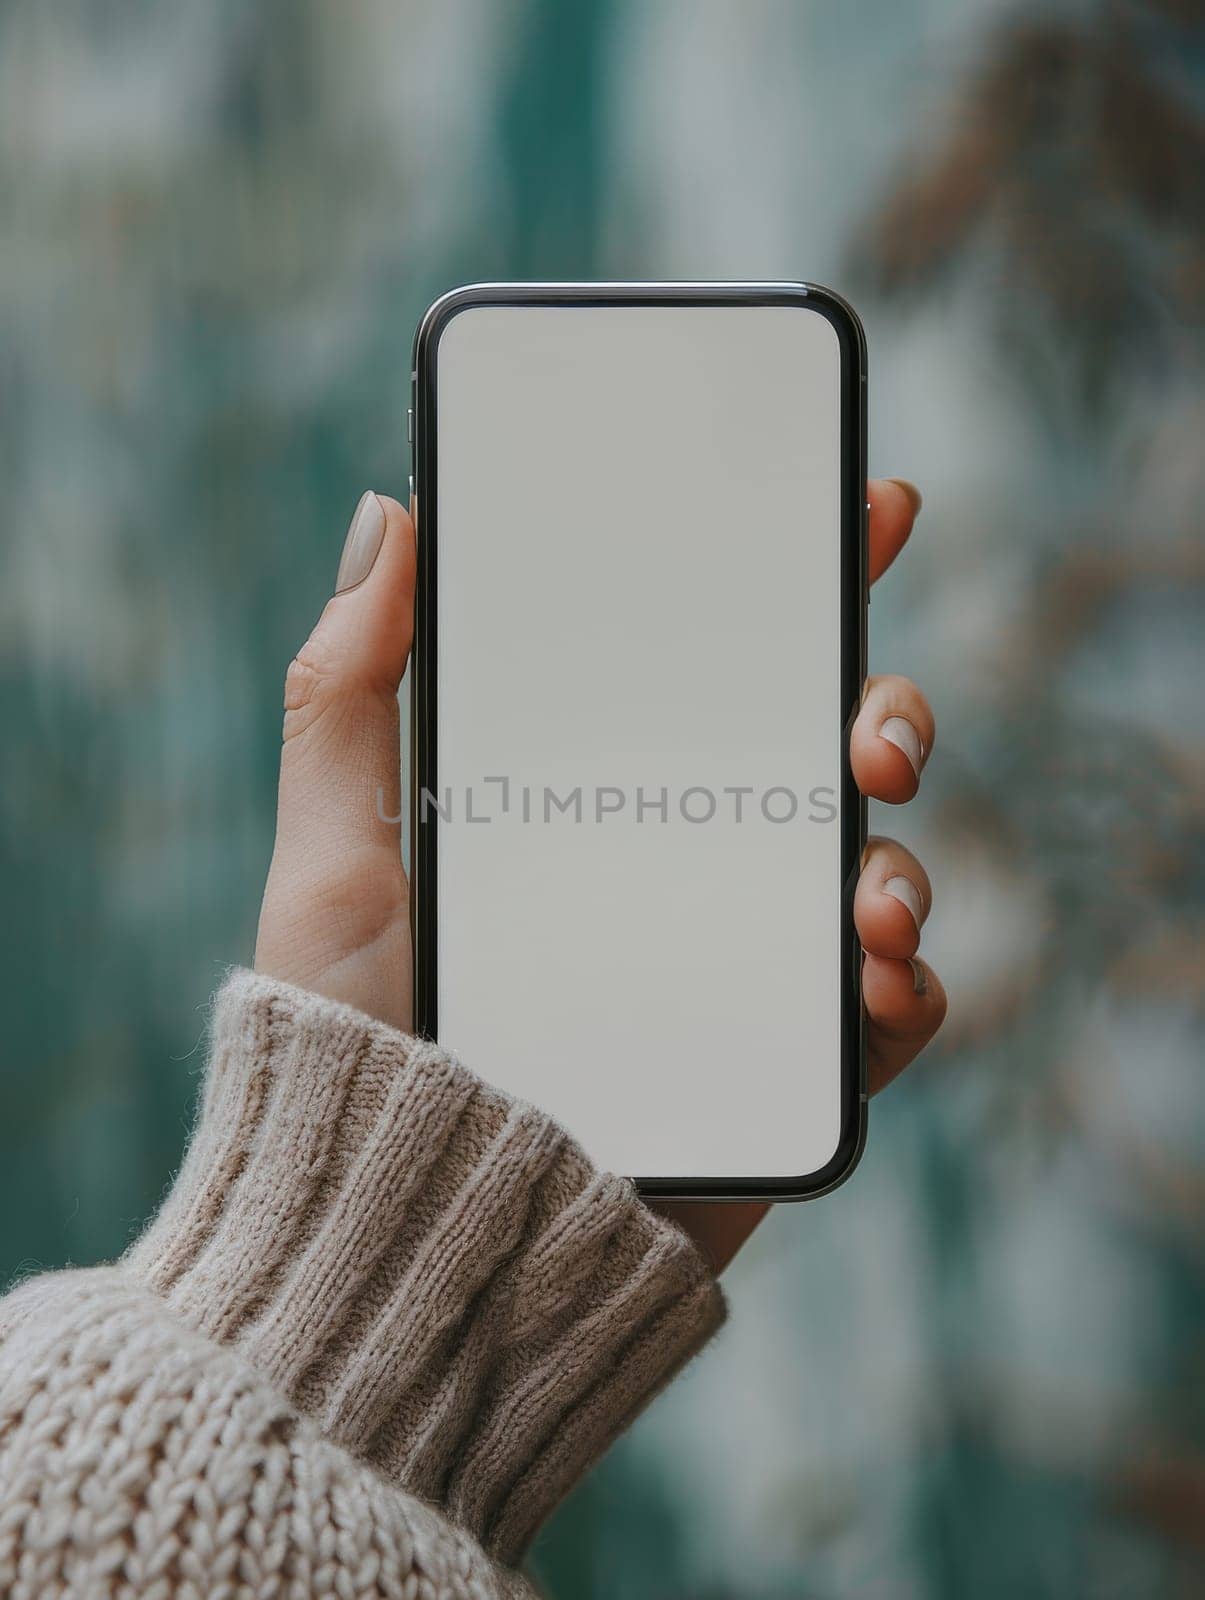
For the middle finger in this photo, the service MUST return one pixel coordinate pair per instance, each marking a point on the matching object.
(891, 739)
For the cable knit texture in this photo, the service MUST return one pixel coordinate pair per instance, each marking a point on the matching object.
(384, 1319)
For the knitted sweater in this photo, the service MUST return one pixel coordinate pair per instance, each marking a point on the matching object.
(384, 1319)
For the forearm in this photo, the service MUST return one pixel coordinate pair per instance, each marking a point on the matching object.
(375, 1277)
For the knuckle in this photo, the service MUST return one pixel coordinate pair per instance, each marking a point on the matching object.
(301, 682)
(310, 688)
(336, 704)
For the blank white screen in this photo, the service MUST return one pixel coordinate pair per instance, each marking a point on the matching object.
(638, 590)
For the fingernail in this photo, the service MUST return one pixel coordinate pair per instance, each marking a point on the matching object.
(920, 978)
(900, 732)
(910, 489)
(364, 539)
(906, 892)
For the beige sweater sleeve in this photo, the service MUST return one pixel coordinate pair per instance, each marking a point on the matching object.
(384, 1320)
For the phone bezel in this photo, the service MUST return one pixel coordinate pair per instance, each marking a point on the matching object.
(423, 742)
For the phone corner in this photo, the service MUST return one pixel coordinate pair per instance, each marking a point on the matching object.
(435, 319)
(846, 1159)
(838, 1169)
(840, 311)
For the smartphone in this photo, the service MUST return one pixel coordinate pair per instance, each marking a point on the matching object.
(640, 642)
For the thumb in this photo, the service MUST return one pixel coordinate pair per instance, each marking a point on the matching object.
(335, 914)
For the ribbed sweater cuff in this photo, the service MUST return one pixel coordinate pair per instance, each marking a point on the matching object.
(431, 1269)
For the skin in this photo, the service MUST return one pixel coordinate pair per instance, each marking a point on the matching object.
(335, 913)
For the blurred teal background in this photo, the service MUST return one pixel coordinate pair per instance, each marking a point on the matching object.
(979, 1369)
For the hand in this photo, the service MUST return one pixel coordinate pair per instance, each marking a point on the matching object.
(335, 915)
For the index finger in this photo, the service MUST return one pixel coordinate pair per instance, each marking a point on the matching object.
(894, 503)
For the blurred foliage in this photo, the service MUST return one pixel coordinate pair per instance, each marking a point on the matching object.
(1067, 196)
(1075, 162)
(978, 1369)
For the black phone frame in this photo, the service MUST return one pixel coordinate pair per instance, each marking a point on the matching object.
(854, 585)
